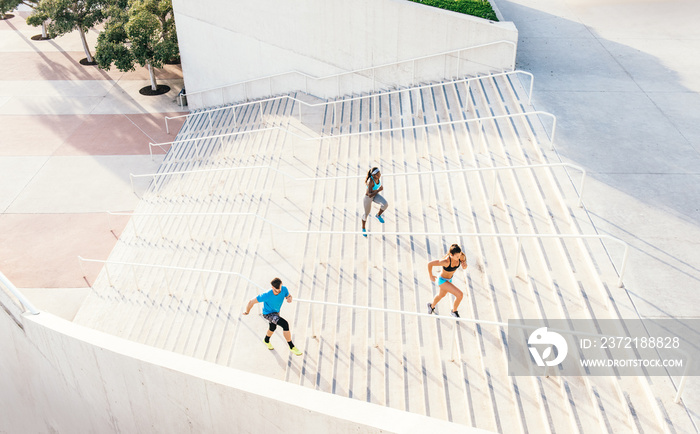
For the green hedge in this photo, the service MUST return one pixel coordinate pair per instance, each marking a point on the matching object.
(477, 8)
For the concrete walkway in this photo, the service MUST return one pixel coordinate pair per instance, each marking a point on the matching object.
(622, 78)
(71, 134)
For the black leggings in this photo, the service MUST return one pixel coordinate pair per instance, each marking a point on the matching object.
(280, 322)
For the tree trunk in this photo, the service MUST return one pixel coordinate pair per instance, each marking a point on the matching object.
(85, 46)
(154, 86)
(44, 33)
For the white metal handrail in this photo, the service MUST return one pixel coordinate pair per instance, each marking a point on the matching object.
(518, 237)
(167, 267)
(371, 132)
(346, 100)
(22, 299)
(313, 328)
(372, 69)
(426, 172)
(454, 343)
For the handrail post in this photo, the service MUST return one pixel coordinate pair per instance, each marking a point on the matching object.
(234, 116)
(211, 125)
(375, 328)
(426, 148)
(620, 284)
(167, 130)
(160, 227)
(454, 341)
(432, 193)
(580, 191)
(482, 137)
(554, 127)
(156, 185)
(517, 256)
(82, 269)
(150, 149)
(336, 114)
(189, 227)
(376, 109)
(262, 115)
(495, 187)
(136, 278)
(222, 229)
(444, 67)
(109, 278)
(413, 79)
(459, 61)
(204, 287)
(313, 320)
(681, 387)
(133, 224)
(168, 282)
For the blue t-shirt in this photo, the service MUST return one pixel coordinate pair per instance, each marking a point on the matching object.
(272, 302)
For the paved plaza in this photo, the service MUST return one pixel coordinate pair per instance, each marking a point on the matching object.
(622, 79)
(71, 136)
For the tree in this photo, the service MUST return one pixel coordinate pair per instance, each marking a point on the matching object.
(143, 33)
(68, 15)
(7, 6)
(33, 4)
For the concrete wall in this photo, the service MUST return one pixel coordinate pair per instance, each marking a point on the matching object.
(60, 377)
(229, 41)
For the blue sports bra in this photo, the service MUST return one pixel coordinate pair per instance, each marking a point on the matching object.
(376, 185)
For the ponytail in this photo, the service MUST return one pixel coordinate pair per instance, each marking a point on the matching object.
(371, 172)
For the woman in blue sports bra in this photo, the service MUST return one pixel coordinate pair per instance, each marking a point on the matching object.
(374, 186)
(450, 263)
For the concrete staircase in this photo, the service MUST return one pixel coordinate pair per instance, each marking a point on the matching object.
(402, 361)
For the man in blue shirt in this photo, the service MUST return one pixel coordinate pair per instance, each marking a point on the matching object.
(272, 303)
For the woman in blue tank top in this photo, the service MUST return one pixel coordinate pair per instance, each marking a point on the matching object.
(374, 186)
(450, 263)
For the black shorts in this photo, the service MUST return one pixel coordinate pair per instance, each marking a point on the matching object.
(272, 317)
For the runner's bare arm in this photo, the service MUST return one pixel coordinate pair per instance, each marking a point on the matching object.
(250, 305)
(432, 264)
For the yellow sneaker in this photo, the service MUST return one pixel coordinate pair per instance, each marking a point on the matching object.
(269, 345)
(296, 351)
